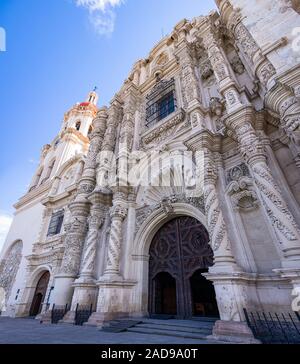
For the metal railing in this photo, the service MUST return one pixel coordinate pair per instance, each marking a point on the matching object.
(274, 328)
(58, 313)
(82, 314)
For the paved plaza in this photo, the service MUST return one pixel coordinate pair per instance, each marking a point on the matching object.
(29, 331)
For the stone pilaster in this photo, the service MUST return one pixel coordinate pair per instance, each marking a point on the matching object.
(276, 209)
(106, 159)
(184, 54)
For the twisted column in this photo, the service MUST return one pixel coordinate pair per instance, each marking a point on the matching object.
(118, 215)
(95, 223)
(220, 241)
(277, 211)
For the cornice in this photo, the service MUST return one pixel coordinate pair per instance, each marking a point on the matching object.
(38, 192)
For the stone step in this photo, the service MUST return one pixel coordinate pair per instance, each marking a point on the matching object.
(206, 319)
(153, 331)
(119, 326)
(183, 324)
(161, 317)
(200, 330)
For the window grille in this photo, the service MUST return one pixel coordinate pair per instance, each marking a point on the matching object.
(161, 102)
(56, 223)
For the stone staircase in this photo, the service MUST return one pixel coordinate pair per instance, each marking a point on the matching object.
(117, 326)
(198, 329)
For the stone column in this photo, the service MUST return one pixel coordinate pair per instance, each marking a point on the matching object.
(232, 285)
(224, 260)
(276, 209)
(118, 215)
(80, 211)
(85, 293)
(283, 101)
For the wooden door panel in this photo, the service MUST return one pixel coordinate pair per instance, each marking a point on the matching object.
(180, 248)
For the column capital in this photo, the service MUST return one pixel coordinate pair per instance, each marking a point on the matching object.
(96, 220)
(119, 212)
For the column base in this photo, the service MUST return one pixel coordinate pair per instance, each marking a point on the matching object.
(69, 318)
(233, 332)
(85, 293)
(46, 318)
(111, 278)
(98, 319)
(228, 266)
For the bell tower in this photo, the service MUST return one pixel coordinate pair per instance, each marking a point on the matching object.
(73, 139)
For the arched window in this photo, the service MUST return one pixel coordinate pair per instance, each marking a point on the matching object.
(78, 125)
(90, 130)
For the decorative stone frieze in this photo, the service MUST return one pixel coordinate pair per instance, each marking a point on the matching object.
(165, 130)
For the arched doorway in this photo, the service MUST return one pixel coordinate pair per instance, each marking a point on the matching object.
(39, 295)
(203, 295)
(179, 252)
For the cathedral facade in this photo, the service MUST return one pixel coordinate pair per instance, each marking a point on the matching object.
(182, 197)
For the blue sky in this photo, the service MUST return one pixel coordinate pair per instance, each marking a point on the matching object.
(56, 52)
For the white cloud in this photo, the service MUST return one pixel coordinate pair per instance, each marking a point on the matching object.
(101, 14)
(5, 222)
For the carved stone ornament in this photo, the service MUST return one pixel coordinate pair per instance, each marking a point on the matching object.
(165, 130)
(240, 188)
(216, 106)
(167, 202)
(237, 172)
(237, 65)
(118, 212)
(206, 70)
